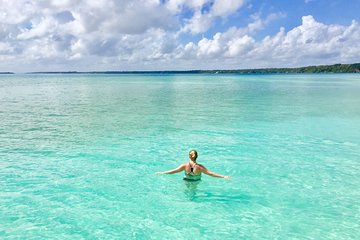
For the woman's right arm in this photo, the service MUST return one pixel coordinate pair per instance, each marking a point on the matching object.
(176, 170)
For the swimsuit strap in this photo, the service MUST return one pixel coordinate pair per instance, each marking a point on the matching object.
(192, 167)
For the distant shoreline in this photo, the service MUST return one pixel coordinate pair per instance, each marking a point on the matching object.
(335, 68)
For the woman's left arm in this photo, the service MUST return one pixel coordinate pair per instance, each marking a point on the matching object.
(206, 171)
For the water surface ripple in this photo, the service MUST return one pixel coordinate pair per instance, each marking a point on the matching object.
(78, 155)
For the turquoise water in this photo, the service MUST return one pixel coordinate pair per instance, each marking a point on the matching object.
(78, 155)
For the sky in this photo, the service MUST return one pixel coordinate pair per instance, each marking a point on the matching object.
(142, 35)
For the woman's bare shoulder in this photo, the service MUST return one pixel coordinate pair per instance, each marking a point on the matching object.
(202, 166)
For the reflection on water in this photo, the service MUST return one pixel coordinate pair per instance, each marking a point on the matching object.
(190, 190)
(194, 193)
(223, 198)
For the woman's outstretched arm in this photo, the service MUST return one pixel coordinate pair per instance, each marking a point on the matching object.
(176, 170)
(206, 171)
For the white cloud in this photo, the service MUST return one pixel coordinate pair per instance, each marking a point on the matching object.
(259, 23)
(6, 48)
(38, 30)
(151, 34)
(177, 5)
(199, 23)
(225, 8)
(310, 43)
(239, 46)
(202, 20)
(63, 29)
(233, 42)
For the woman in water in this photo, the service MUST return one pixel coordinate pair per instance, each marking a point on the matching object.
(192, 169)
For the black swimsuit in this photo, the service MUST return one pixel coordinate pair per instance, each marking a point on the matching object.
(191, 176)
(192, 169)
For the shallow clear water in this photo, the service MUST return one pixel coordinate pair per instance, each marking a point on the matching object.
(78, 155)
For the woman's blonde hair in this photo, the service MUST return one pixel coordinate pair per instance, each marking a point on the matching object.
(196, 154)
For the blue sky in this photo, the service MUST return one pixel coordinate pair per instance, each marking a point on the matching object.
(83, 35)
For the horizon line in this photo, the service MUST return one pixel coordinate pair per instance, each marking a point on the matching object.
(244, 70)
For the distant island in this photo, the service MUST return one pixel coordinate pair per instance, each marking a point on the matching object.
(6, 73)
(335, 68)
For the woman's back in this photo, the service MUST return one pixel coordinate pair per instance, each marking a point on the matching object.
(192, 172)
